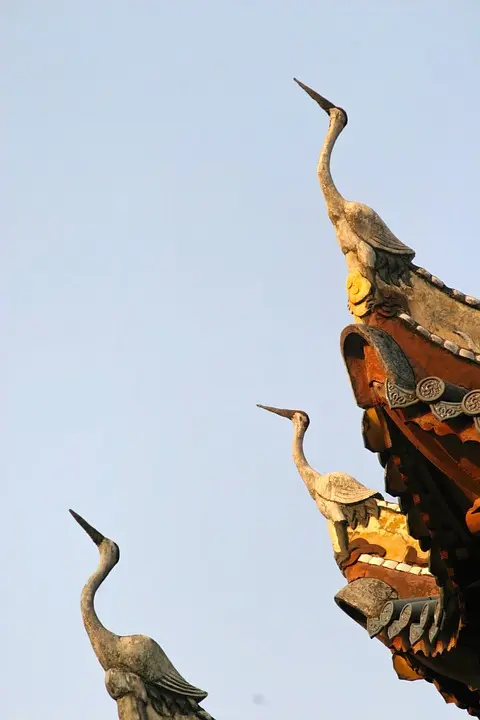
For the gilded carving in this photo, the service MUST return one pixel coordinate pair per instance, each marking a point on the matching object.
(360, 294)
(386, 538)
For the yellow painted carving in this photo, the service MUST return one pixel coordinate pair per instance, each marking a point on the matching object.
(374, 430)
(359, 288)
(389, 531)
(403, 669)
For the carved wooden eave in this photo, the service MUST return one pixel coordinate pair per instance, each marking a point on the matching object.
(426, 357)
(443, 316)
(422, 419)
(403, 626)
(439, 417)
(392, 593)
(413, 358)
(434, 314)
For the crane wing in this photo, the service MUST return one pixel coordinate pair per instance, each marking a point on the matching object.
(170, 704)
(369, 226)
(172, 681)
(342, 488)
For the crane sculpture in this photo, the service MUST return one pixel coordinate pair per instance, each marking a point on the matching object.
(139, 675)
(368, 244)
(340, 498)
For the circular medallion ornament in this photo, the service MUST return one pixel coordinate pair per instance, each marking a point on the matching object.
(471, 403)
(358, 287)
(430, 389)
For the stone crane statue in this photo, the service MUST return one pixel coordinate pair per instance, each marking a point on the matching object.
(339, 497)
(368, 244)
(139, 676)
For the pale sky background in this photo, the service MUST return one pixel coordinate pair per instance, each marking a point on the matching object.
(169, 263)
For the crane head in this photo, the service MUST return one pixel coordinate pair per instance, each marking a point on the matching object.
(325, 104)
(298, 417)
(104, 544)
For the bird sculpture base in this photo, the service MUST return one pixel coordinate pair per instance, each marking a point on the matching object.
(129, 692)
(135, 702)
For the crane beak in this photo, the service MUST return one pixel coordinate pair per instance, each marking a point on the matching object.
(323, 102)
(283, 413)
(91, 532)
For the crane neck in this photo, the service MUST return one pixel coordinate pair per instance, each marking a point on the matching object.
(306, 472)
(334, 200)
(99, 636)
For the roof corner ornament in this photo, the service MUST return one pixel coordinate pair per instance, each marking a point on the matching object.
(382, 280)
(341, 499)
(138, 674)
(373, 253)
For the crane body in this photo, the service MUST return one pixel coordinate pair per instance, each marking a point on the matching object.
(138, 655)
(340, 497)
(364, 238)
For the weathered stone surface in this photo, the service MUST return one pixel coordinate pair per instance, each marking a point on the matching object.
(139, 676)
(364, 598)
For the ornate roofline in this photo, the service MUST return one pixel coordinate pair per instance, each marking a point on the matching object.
(398, 565)
(445, 400)
(437, 340)
(392, 358)
(451, 292)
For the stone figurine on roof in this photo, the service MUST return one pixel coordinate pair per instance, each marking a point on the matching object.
(138, 674)
(382, 275)
(413, 567)
(413, 358)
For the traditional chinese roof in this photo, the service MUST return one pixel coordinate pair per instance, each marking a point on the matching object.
(413, 357)
(442, 315)
(421, 396)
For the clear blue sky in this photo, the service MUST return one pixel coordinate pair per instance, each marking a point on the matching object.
(168, 264)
